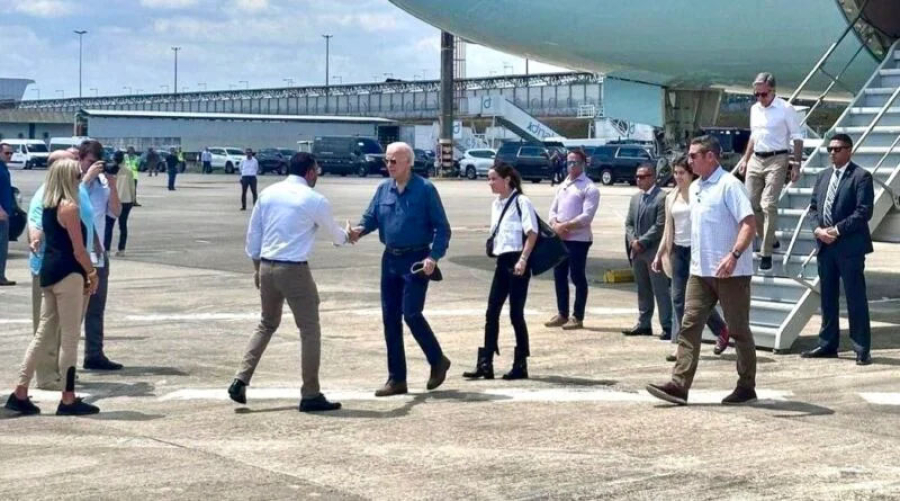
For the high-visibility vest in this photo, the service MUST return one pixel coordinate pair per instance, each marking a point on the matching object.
(132, 162)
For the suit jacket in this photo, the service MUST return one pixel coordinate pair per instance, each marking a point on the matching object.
(664, 253)
(646, 224)
(851, 209)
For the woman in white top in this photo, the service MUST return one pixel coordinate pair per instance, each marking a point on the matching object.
(515, 237)
(674, 255)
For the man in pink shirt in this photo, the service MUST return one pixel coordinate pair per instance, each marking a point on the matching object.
(571, 214)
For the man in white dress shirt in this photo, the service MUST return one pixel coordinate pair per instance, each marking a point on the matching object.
(722, 228)
(279, 241)
(774, 124)
(249, 170)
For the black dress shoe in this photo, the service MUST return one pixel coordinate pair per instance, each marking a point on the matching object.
(7, 283)
(639, 331)
(101, 363)
(765, 263)
(318, 404)
(238, 391)
(740, 396)
(392, 388)
(23, 406)
(76, 408)
(438, 373)
(670, 392)
(864, 358)
(665, 336)
(819, 352)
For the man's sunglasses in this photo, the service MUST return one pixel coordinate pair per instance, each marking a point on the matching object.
(761, 94)
(835, 149)
(642, 176)
(390, 161)
(697, 154)
(574, 162)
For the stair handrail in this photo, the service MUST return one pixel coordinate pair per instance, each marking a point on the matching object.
(797, 230)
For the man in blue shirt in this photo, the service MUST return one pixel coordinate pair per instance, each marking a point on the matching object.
(7, 203)
(408, 214)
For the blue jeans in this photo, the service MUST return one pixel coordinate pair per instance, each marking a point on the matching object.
(680, 260)
(402, 300)
(172, 174)
(4, 246)
(96, 311)
(574, 267)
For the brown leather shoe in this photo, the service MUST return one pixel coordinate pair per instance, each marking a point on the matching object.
(556, 321)
(740, 396)
(438, 373)
(573, 325)
(391, 388)
(670, 392)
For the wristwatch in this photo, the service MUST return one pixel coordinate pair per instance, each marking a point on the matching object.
(736, 254)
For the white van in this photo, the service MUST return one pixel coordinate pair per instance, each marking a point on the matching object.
(28, 153)
(62, 143)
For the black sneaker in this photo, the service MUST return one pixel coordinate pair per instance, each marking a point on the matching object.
(76, 408)
(318, 404)
(740, 396)
(23, 407)
(101, 363)
(765, 263)
(238, 391)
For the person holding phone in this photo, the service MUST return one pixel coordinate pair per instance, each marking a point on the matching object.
(514, 227)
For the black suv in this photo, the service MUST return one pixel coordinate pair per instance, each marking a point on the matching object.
(614, 163)
(532, 160)
(348, 155)
(273, 160)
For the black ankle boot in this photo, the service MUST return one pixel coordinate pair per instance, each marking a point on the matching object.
(484, 367)
(520, 366)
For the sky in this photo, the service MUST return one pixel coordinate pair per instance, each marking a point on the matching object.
(225, 44)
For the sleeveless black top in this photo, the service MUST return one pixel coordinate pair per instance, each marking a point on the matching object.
(59, 256)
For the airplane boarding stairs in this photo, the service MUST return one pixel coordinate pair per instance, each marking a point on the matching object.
(787, 296)
(514, 118)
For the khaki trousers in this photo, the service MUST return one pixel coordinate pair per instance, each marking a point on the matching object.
(765, 179)
(47, 360)
(292, 282)
(701, 297)
(60, 323)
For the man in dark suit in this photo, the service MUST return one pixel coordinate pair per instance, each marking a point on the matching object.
(643, 232)
(840, 210)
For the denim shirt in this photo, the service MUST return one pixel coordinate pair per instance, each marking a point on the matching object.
(414, 218)
(35, 214)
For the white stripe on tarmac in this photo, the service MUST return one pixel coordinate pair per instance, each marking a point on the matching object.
(364, 312)
(881, 398)
(504, 395)
(11, 321)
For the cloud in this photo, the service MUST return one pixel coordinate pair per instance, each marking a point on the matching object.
(42, 8)
(169, 4)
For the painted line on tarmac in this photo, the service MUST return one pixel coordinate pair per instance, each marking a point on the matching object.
(881, 398)
(11, 321)
(496, 395)
(366, 312)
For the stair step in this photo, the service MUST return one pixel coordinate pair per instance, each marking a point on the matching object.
(776, 281)
(762, 331)
(807, 192)
(791, 212)
(786, 236)
(880, 129)
(771, 306)
(877, 91)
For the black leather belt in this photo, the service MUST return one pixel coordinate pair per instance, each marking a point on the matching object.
(769, 154)
(399, 251)
(275, 261)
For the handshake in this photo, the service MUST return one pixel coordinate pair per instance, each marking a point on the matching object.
(354, 233)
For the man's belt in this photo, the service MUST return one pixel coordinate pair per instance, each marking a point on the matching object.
(769, 154)
(277, 261)
(399, 251)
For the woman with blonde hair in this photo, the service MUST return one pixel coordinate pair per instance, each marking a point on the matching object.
(674, 254)
(66, 277)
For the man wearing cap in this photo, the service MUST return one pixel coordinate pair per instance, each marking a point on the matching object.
(774, 124)
(411, 222)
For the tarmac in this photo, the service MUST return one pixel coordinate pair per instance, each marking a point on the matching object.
(182, 306)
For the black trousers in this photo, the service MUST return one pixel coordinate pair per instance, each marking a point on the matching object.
(576, 268)
(247, 181)
(834, 269)
(506, 284)
(123, 228)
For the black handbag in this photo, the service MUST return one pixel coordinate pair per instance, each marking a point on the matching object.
(549, 250)
(489, 244)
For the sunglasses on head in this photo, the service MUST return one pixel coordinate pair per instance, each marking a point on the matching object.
(835, 149)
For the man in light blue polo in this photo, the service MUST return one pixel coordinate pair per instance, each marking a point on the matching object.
(722, 228)
(47, 376)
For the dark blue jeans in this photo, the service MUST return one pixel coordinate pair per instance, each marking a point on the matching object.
(172, 174)
(681, 271)
(402, 300)
(93, 320)
(574, 267)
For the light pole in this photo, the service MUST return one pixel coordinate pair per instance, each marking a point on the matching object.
(526, 66)
(175, 50)
(327, 58)
(80, 34)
